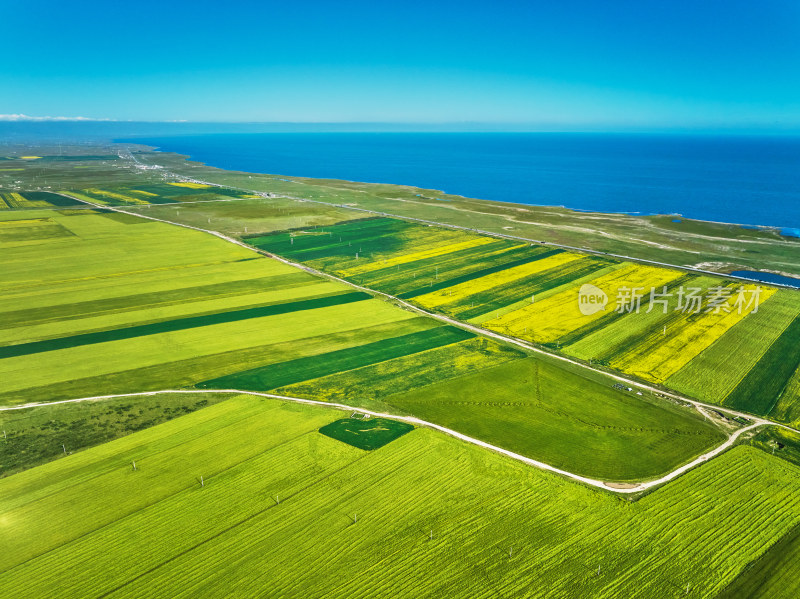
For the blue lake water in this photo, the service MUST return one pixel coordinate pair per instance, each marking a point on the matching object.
(767, 277)
(738, 179)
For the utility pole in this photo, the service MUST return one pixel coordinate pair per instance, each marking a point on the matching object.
(202, 482)
(64, 448)
(134, 464)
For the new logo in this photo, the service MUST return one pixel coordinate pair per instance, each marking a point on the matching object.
(591, 299)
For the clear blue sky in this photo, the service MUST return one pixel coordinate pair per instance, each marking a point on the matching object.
(554, 63)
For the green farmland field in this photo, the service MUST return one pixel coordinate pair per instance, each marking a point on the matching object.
(287, 511)
(34, 199)
(159, 296)
(746, 362)
(187, 486)
(302, 369)
(156, 193)
(169, 308)
(577, 424)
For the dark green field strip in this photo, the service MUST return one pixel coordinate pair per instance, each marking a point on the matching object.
(433, 274)
(368, 385)
(303, 369)
(369, 434)
(384, 237)
(613, 316)
(767, 576)
(177, 193)
(184, 373)
(142, 301)
(760, 389)
(381, 233)
(53, 199)
(512, 292)
(179, 324)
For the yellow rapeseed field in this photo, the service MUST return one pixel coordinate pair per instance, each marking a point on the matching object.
(463, 290)
(191, 185)
(559, 314)
(117, 196)
(144, 193)
(16, 200)
(413, 257)
(662, 353)
(30, 157)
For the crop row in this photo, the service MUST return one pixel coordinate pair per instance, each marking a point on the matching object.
(179, 324)
(157, 194)
(301, 369)
(378, 381)
(427, 515)
(34, 199)
(656, 323)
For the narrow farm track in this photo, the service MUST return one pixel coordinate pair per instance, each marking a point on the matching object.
(635, 488)
(623, 488)
(495, 234)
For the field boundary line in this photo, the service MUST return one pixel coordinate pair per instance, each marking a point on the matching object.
(464, 325)
(635, 488)
(614, 487)
(496, 234)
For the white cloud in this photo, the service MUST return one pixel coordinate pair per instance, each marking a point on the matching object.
(25, 117)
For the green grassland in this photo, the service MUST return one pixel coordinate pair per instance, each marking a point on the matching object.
(775, 572)
(287, 511)
(33, 436)
(75, 169)
(246, 217)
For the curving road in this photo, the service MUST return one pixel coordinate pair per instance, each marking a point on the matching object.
(622, 488)
(756, 421)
